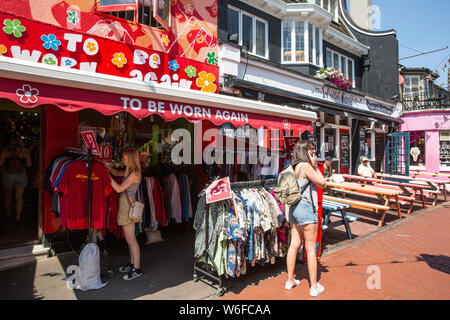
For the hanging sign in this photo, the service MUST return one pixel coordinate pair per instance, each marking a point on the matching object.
(218, 190)
(105, 154)
(290, 142)
(91, 143)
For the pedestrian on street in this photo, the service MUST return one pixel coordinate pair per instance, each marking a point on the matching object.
(130, 186)
(303, 216)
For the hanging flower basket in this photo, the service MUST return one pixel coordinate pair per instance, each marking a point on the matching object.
(334, 76)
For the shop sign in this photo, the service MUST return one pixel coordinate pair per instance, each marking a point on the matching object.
(351, 100)
(91, 142)
(30, 40)
(345, 150)
(218, 190)
(379, 108)
(290, 142)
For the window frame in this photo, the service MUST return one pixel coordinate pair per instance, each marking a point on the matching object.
(108, 10)
(410, 87)
(306, 43)
(347, 59)
(417, 167)
(254, 19)
(442, 168)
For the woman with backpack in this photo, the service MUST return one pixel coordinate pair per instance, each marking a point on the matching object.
(303, 215)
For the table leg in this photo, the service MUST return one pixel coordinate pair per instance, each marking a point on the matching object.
(423, 197)
(383, 214)
(399, 210)
(347, 226)
(412, 201)
(445, 192)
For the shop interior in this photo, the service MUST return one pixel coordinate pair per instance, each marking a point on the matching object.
(20, 185)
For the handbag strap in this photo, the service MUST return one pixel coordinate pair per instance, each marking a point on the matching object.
(312, 199)
(128, 198)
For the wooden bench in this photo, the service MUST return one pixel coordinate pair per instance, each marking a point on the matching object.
(361, 194)
(361, 205)
(381, 195)
(338, 209)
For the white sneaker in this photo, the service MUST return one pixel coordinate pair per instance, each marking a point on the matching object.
(289, 285)
(314, 292)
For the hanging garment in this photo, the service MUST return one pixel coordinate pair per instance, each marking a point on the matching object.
(154, 223)
(175, 201)
(158, 199)
(73, 188)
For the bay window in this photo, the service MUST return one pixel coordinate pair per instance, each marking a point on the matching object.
(301, 42)
(342, 63)
(411, 86)
(329, 5)
(252, 32)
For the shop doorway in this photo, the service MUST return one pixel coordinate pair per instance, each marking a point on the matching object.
(19, 178)
(379, 151)
(397, 154)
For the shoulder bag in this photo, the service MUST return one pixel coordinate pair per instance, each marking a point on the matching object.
(136, 208)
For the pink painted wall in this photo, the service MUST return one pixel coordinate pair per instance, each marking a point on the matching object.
(432, 122)
(428, 120)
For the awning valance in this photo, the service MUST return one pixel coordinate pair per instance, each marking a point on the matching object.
(32, 84)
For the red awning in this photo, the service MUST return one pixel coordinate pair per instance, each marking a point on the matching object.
(31, 94)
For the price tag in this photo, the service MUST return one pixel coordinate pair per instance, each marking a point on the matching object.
(290, 142)
(218, 190)
(105, 154)
(91, 142)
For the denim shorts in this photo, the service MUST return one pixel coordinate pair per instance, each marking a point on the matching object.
(302, 213)
(11, 180)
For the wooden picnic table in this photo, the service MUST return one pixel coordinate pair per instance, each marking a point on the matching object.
(433, 184)
(415, 173)
(384, 195)
(405, 187)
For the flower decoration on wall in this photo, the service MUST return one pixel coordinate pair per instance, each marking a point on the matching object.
(50, 41)
(72, 17)
(191, 72)
(165, 39)
(13, 27)
(3, 49)
(189, 9)
(206, 82)
(50, 61)
(27, 94)
(119, 59)
(334, 76)
(173, 65)
(212, 58)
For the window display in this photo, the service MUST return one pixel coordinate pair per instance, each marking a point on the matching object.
(444, 149)
(417, 148)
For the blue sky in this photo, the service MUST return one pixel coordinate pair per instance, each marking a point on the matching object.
(422, 25)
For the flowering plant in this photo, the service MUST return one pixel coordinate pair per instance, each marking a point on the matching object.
(334, 76)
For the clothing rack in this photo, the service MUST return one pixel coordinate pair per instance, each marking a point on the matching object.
(89, 238)
(211, 271)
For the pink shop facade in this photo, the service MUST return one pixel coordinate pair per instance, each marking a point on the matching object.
(429, 133)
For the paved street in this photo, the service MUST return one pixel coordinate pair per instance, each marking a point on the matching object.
(413, 258)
